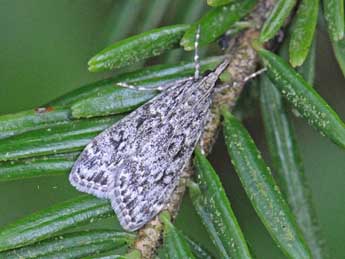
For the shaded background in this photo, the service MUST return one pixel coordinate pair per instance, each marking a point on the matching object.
(44, 48)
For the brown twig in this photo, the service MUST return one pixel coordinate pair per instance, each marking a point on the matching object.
(243, 62)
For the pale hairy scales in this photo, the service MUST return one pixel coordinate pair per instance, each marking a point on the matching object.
(136, 163)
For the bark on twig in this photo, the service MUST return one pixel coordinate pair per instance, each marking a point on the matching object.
(243, 62)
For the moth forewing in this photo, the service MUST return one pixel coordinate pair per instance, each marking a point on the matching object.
(136, 163)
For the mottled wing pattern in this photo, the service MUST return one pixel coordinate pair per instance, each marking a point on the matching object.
(136, 162)
(93, 172)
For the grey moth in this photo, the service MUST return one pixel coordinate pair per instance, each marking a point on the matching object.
(136, 163)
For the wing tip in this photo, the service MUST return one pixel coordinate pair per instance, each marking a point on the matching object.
(83, 186)
(133, 220)
(126, 220)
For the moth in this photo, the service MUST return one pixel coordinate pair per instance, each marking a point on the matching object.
(136, 163)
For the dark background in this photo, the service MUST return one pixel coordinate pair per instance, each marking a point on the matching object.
(44, 49)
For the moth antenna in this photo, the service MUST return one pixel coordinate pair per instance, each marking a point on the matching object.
(160, 88)
(139, 88)
(196, 54)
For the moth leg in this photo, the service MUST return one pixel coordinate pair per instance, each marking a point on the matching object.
(253, 75)
(246, 79)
